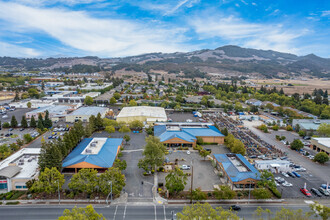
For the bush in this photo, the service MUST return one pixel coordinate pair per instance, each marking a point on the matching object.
(275, 127)
(289, 128)
(302, 133)
(261, 193)
(321, 157)
(224, 193)
(12, 203)
(263, 128)
(275, 191)
(296, 144)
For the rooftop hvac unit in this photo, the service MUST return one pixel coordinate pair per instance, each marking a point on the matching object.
(88, 151)
(20, 163)
(29, 160)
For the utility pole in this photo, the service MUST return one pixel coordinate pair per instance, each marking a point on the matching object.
(58, 188)
(107, 200)
(192, 180)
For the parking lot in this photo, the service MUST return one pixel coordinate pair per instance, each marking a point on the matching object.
(17, 133)
(204, 175)
(182, 116)
(294, 192)
(18, 113)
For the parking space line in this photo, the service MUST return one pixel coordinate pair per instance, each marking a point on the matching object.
(114, 216)
(155, 212)
(125, 211)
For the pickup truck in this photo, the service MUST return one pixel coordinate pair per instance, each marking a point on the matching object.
(185, 167)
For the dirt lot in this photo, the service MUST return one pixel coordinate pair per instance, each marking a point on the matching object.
(299, 86)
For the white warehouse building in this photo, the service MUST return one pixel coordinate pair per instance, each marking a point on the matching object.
(274, 166)
(84, 113)
(146, 114)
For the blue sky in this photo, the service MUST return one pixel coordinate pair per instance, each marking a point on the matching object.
(44, 28)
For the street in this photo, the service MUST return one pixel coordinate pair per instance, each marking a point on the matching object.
(128, 211)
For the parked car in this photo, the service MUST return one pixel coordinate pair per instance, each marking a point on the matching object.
(316, 192)
(5, 116)
(185, 167)
(11, 129)
(301, 169)
(291, 174)
(305, 192)
(285, 174)
(22, 129)
(296, 174)
(324, 191)
(208, 149)
(188, 152)
(235, 207)
(50, 137)
(287, 184)
(307, 138)
(324, 186)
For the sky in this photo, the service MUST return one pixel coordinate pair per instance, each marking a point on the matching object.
(118, 28)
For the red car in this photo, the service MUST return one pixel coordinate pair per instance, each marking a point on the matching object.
(305, 192)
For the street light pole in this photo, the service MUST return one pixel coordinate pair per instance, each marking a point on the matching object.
(249, 191)
(59, 195)
(192, 180)
(107, 200)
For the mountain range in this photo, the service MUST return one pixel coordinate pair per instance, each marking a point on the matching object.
(226, 60)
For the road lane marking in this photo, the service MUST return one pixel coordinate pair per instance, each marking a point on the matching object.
(125, 211)
(155, 212)
(114, 216)
(164, 213)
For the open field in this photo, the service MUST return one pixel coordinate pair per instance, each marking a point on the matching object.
(299, 86)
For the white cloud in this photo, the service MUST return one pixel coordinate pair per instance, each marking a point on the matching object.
(244, 2)
(253, 3)
(325, 13)
(102, 37)
(236, 31)
(7, 49)
(51, 2)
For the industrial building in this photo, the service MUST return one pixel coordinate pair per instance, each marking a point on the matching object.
(93, 153)
(19, 168)
(84, 113)
(309, 125)
(55, 111)
(274, 166)
(146, 114)
(179, 134)
(237, 171)
(321, 145)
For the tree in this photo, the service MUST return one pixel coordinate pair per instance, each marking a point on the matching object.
(324, 130)
(124, 129)
(224, 192)
(48, 181)
(154, 153)
(132, 103)
(136, 124)
(98, 122)
(6, 125)
(127, 138)
(321, 157)
(289, 128)
(321, 210)
(179, 99)
(110, 129)
(87, 213)
(24, 123)
(50, 156)
(13, 122)
(47, 122)
(115, 176)
(33, 93)
(296, 144)
(40, 123)
(113, 101)
(198, 194)
(88, 100)
(109, 122)
(224, 131)
(84, 181)
(121, 164)
(176, 181)
(27, 137)
(204, 153)
(116, 95)
(205, 211)
(261, 193)
(200, 140)
(33, 123)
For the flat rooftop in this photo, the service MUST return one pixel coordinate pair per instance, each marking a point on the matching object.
(92, 110)
(27, 159)
(94, 146)
(323, 141)
(147, 111)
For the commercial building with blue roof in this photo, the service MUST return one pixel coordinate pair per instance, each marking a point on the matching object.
(237, 171)
(177, 134)
(96, 153)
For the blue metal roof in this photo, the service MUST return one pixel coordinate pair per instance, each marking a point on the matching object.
(187, 134)
(234, 174)
(105, 157)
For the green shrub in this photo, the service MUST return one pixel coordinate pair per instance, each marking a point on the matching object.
(275, 191)
(12, 203)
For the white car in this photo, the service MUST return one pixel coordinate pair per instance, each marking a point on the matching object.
(185, 167)
(285, 174)
(188, 152)
(287, 184)
(5, 116)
